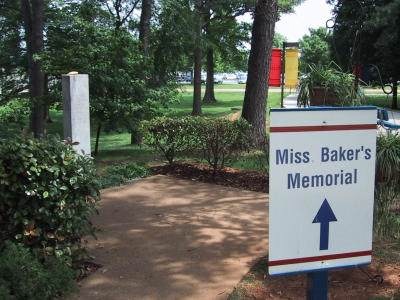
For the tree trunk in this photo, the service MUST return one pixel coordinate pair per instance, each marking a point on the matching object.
(394, 99)
(144, 38)
(254, 105)
(136, 137)
(96, 147)
(47, 116)
(33, 16)
(144, 26)
(209, 96)
(197, 61)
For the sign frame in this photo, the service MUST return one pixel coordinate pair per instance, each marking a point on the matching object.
(350, 124)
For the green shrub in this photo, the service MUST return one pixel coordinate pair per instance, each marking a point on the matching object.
(48, 193)
(387, 190)
(387, 221)
(169, 136)
(15, 112)
(388, 157)
(120, 174)
(216, 140)
(14, 116)
(23, 276)
(219, 140)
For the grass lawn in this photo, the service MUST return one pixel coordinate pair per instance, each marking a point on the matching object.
(227, 103)
(379, 100)
(236, 86)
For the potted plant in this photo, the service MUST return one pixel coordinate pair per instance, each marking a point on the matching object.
(327, 86)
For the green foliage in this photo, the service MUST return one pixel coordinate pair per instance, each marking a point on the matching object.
(48, 193)
(82, 37)
(315, 48)
(333, 80)
(24, 276)
(387, 221)
(15, 112)
(388, 157)
(253, 160)
(387, 191)
(170, 136)
(215, 140)
(367, 32)
(120, 174)
(218, 140)
(279, 39)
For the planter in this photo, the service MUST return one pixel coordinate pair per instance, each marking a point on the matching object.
(320, 96)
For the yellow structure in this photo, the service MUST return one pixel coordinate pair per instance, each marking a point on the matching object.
(291, 68)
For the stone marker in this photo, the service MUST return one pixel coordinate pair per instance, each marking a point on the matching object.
(75, 89)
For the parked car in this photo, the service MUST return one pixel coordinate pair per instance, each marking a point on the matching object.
(230, 76)
(242, 78)
(218, 78)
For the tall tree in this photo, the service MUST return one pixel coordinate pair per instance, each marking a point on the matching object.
(33, 16)
(121, 10)
(223, 34)
(254, 105)
(197, 57)
(315, 48)
(12, 53)
(209, 95)
(144, 26)
(367, 32)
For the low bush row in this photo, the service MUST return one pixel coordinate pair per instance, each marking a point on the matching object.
(216, 140)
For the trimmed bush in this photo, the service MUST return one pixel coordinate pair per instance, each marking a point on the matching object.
(170, 136)
(219, 140)
(120, 174)
(215, 140)
(48, 193)
(23, 276)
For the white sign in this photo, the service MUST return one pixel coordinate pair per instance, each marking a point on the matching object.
(322, 173)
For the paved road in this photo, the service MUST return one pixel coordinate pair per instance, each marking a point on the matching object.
(164, 238)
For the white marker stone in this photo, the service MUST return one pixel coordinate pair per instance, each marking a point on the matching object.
(75, 89)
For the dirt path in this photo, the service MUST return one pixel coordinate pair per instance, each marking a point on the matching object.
(165, 238)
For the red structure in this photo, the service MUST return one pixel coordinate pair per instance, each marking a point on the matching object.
(275, 68)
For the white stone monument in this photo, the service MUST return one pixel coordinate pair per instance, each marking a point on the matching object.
(75, 89)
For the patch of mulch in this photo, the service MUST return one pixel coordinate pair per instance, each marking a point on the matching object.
(355, 283)
(242, 179)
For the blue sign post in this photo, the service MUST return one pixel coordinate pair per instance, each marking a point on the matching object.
(317, 285)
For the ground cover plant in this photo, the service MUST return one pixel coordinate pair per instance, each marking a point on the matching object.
(115, 175)
(26, 275)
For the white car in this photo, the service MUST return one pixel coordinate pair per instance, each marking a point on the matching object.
(218, 78)
(242, 78)
(230, 76)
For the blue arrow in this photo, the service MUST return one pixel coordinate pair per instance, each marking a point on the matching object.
(324, 216)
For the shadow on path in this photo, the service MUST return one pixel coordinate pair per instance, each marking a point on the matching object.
(165, 238)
